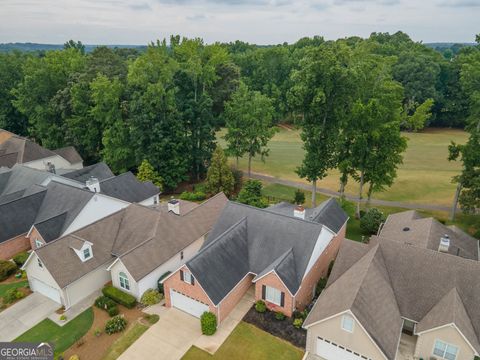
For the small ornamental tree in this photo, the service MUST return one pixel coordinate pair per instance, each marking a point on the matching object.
(219, 175)
(299, 197)
(208, 322)
(251, 194)
(146, 172)
(371, 221)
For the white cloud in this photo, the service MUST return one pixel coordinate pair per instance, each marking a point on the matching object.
(258, 21)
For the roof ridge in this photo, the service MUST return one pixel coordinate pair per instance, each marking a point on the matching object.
(23, 197)
(389, 278)
(205, 202)
(50, 218)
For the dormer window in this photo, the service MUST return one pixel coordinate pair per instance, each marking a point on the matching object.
(83, 250)
(87, 254)
(38, 243)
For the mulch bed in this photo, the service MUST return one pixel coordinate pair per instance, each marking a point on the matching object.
(283, 329)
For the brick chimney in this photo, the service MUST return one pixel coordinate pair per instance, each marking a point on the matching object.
(299, 212)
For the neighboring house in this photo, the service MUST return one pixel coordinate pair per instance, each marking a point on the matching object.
(283, 251)
(391, 299)
(19, 150)
(409, 227)
(5, 135)
(132, 248)
(38, 206)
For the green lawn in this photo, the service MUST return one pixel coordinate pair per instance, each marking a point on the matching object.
(246, 342)
(5, 287)
(62, 337)
(127, 339)
(424, 177)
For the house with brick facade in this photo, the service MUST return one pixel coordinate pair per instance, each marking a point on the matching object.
(131, 248)
(282, 251)
(37, 206)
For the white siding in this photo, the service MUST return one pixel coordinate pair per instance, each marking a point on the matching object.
(86, 285)
(150, 281)
(322, 242)
(97, 208)
(149, 201)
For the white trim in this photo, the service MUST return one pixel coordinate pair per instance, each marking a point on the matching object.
(359, 323)
(447, 344)
(349, 318)
(279, 278)
(456, 328)
(111, 265)
(28, 259)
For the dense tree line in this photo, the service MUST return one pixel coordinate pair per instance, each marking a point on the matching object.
(164, 103)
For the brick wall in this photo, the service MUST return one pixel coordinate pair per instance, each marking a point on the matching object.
(232, 299)
(194, 291)
(305, 294)
(272, 280)
(34, 235)
(11, 247)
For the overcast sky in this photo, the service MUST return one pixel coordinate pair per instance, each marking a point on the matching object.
(255, 21)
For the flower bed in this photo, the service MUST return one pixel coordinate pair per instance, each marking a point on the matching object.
(283, 329)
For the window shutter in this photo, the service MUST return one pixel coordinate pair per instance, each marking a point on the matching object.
(282, 299)
(193, 279)
(264, 290)
(181, 275)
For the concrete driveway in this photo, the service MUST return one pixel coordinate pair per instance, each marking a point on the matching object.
(168, 339)
(25, 314)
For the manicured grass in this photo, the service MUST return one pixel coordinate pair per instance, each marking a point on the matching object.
(5, 287)
(127, 339)
(247, 342)
(279, 192)
(424, 177)
(62, 337)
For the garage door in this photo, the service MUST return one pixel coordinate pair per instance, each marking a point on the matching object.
(44, 289)
(332, 351)
(189, 305)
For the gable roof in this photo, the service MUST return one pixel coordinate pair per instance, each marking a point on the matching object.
(410, 227)
(70, 154)
(328, 213)
(270, 241)
(21, 177)
(143, 238)
(128, 188)
(426, 286)
(100, 170)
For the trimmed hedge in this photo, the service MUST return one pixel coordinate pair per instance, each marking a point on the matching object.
(208, 322)
(7, 268)
(20, 258)
(119, 296)
(159, 284)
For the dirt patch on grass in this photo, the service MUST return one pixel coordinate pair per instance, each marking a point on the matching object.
(12, 279)
(93, 347)
(283, 329)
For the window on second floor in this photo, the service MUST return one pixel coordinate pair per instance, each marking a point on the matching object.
(39, 262)
(347, 323)
(187, 277)
(444, 350)
(181, 255)
(87, 254)
(38, 243)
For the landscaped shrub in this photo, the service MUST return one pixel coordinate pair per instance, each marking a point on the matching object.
(115, 324)
(320, 286)
(279, 316)
(105, 303)
(63, 318)
(298, 323)
(371, 220)
(260, 306)
(112, 311)
(208, 322)
(20, 258)
(74, 357)
(159, 284)
(151, 297)
(12, 295)
(151, 318)
(193, 196)
(119, 296)
(7, 268)
(299, 197)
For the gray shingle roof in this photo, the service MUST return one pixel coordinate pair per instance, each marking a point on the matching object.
(16, 217)
(20, 178)
(328, 213)
(143, 238)
(101, 171)
(70, 154)
(128, 188)
(274, 241)
(382, 283)
(409, 227)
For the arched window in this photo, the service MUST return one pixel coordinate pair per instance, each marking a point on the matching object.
(124, 283)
